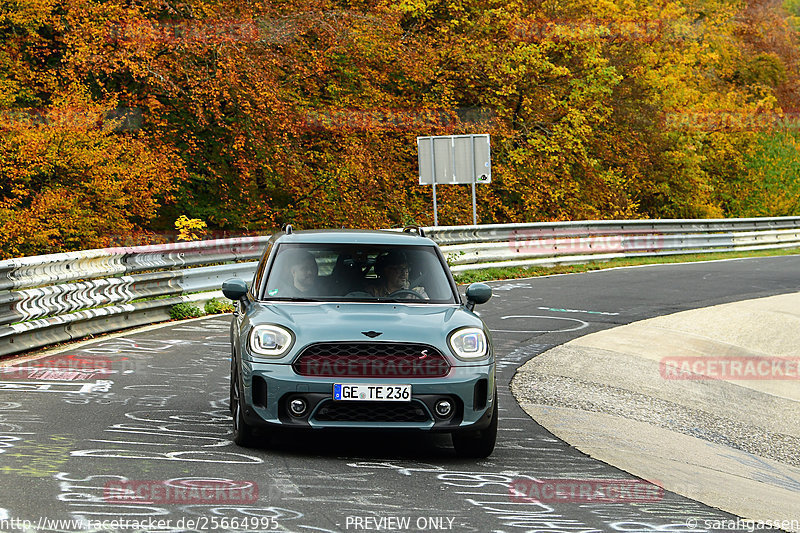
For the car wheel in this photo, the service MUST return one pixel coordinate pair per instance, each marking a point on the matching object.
(478, 444)
(243, 433)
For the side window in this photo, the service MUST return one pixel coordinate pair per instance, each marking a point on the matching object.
(258, 278)
(299, 271)
(426, 271)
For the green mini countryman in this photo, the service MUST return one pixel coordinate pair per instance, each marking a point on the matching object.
(360, 329)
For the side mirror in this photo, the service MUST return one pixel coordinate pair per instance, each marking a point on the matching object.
(234, 289)
(478, 293)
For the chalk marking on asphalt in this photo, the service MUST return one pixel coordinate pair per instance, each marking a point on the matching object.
(557, 310)
(581, 325)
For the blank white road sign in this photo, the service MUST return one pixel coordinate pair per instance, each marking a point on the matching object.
(449, 159)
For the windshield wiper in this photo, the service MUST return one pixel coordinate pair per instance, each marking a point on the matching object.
(296, 299)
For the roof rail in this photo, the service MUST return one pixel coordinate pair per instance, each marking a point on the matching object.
(287, 228)
(414, 229)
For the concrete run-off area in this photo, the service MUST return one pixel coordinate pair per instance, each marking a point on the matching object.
(704, 402)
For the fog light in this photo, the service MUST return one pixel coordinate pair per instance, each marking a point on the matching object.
(297, 407)
(444, 408)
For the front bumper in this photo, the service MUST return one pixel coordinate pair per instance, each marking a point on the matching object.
(268, 389)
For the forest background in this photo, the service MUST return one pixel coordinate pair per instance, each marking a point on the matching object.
(120, 117)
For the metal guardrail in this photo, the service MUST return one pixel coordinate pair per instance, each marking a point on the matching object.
(50, 299)
(56, 298)
(500, 245)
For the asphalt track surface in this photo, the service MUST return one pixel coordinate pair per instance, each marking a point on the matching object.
(152, 407)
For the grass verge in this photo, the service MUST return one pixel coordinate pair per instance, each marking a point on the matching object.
(488, 274)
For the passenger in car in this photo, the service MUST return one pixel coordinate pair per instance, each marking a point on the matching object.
(392, 270)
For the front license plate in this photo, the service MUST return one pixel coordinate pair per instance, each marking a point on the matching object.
(382, 393)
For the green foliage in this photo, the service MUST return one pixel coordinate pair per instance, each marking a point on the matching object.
(185, 310)
(771, 184)
(792, 7)
(764, 69)
(215, 306)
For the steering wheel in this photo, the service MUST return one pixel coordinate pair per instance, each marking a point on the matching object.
(358, 294)
(405, 292)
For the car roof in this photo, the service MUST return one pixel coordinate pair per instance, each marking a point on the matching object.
(350, 236)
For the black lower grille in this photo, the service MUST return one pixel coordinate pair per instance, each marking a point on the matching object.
(336, 411)
(480, 395)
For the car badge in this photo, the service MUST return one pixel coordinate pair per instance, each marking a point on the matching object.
(372, 334)
(423, 354)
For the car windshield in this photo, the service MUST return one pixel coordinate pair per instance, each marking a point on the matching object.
(354, 272)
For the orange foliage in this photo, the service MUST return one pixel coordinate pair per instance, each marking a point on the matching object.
(251, 114)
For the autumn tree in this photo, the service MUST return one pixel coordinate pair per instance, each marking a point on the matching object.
(74, 171)
(252, 114)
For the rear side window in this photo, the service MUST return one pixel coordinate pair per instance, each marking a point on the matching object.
(353, 272)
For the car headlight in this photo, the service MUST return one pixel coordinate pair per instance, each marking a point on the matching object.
(270, 340)
(469, 343)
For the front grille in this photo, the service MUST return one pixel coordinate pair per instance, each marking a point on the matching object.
(371, 360)
(334, 411)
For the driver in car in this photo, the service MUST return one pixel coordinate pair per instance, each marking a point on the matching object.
(392, 272)
(302, 272)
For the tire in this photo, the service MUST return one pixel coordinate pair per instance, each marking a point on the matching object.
(243, 433)
(478, 444)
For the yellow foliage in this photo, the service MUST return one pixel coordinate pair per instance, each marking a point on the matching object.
(189, 229)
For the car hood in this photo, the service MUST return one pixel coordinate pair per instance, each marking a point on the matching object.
(337, 322)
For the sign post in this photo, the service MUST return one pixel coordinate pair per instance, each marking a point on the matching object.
(454, 159)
